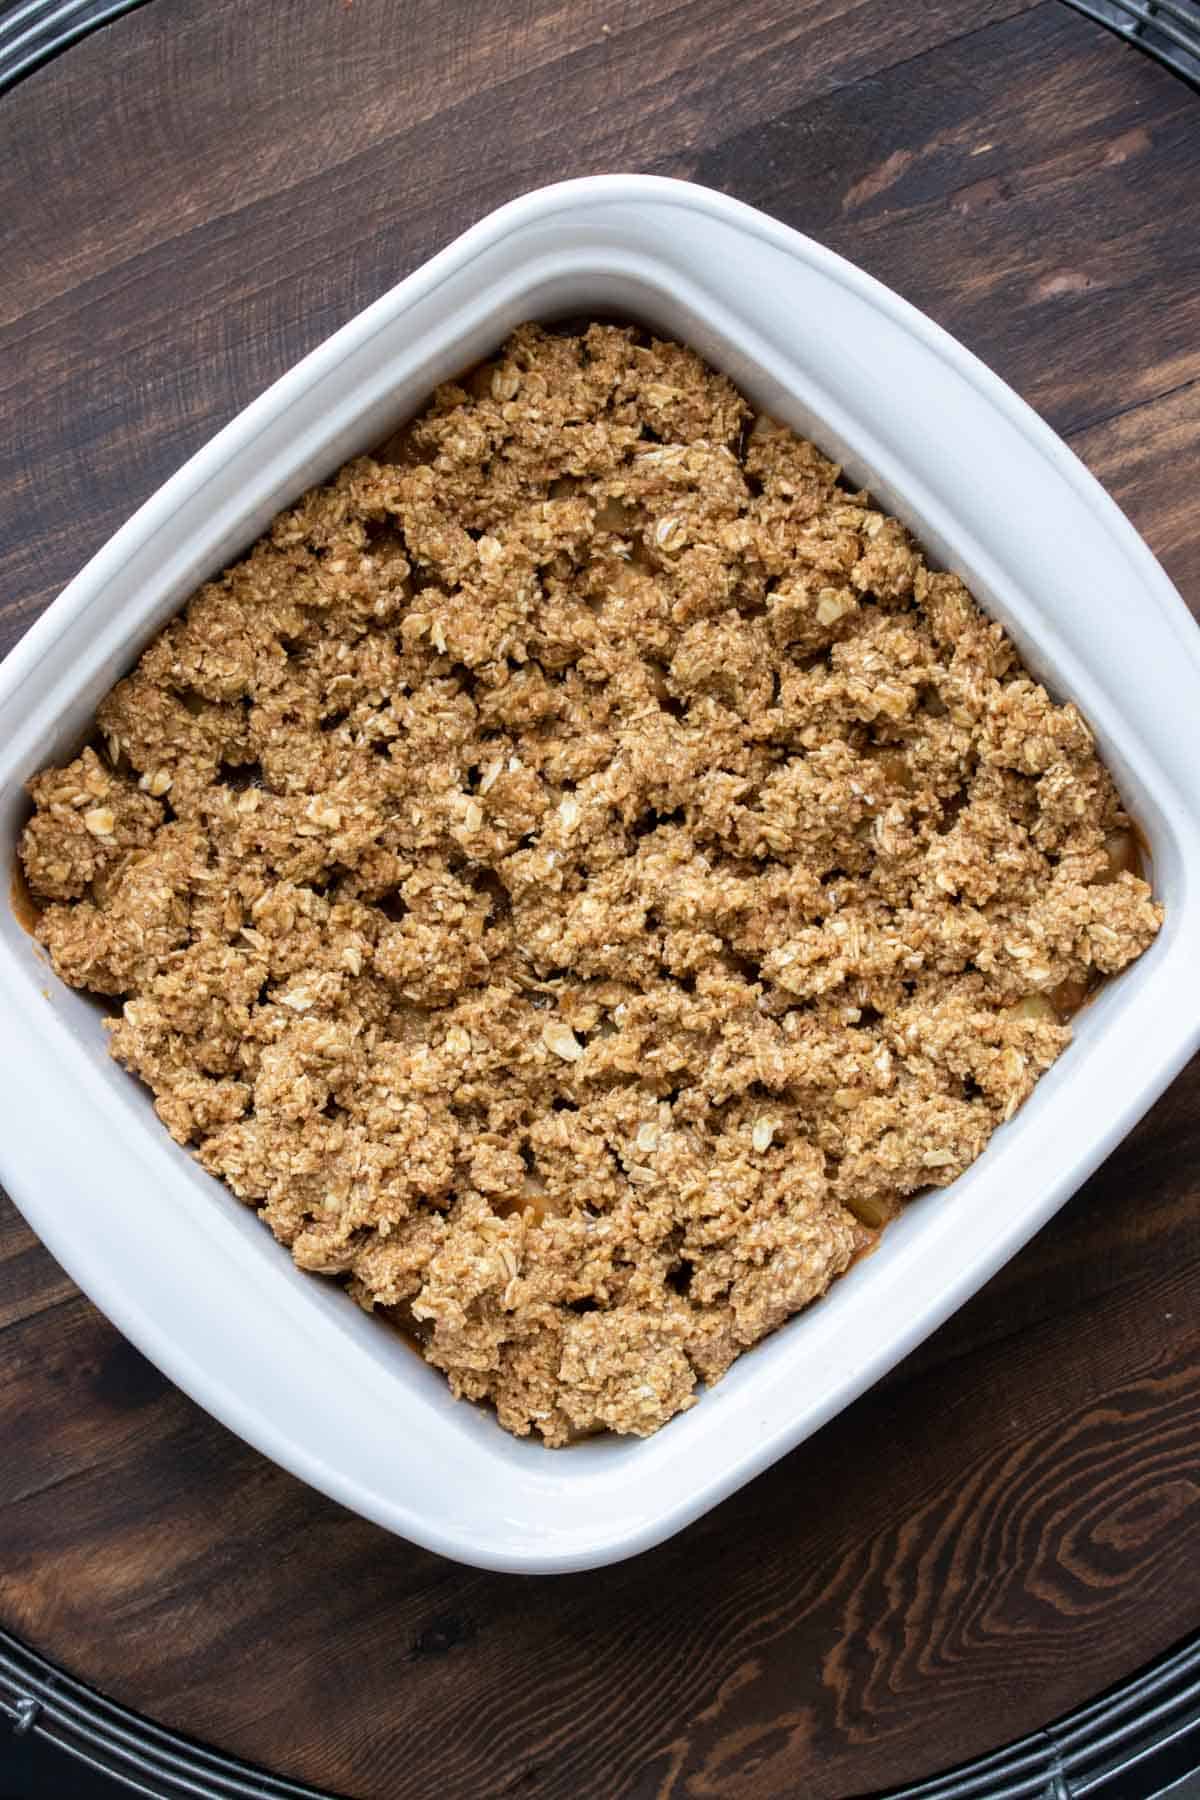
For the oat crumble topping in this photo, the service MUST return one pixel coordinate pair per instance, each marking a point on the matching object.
(580, 872)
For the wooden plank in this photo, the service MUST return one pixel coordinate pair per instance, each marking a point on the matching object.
(1039, 218)
(1147, 458)
(1004, 1525)
(182, 264)
(832, 1625)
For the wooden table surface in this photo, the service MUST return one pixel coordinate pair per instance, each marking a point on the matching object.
(193, 197)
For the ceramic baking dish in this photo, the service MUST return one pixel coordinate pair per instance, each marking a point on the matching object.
(192, 1277)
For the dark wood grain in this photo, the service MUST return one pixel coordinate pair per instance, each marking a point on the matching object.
(194, 197)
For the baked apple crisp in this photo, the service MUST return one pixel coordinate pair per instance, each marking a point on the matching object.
(580, 872)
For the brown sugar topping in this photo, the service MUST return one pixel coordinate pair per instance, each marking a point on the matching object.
(580, 872)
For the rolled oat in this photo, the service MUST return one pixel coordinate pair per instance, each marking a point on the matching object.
(580, 872)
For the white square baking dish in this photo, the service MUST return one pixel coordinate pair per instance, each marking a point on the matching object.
(193, 1278)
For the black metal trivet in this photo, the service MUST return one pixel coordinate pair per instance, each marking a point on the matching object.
(1166, 29)
(32, 31)
(1136, 1742)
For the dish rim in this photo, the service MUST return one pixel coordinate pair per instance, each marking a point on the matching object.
(28, 662)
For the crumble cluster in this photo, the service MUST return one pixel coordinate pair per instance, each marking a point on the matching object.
(580, 872)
